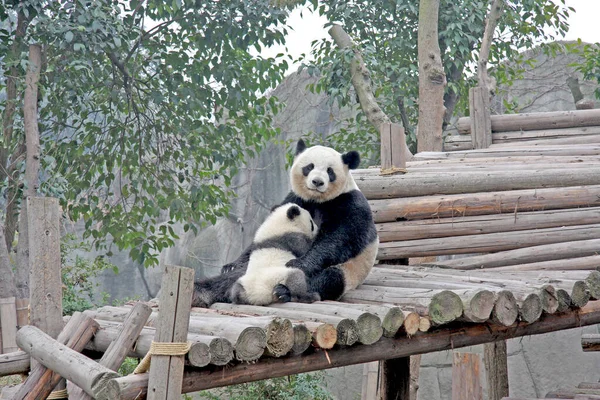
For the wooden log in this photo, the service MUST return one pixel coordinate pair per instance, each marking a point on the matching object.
(564, 300)
(369, 324)
(466, 381)
(302, 338)
(495, 360)
(442, 339)
(580, 295)
(537, 121)
(414, 185)
(458, 142)
(460, 205)
(166, 371)
(478, 307)
(412, 322)
(58, 360)
(534, 254)
(483, 224)
(391, 316)
(517, 136)
(480, 121)
(491, 242)
(14, 363)
(324, 336)
(424, 324)
(593, 284)
(220, 349)
(505, 310)
(118, 349)
(8, 319)
(590, 342)
(347, 329)
(529, 306)
(22, 312)
(573, 140)
(547, 151)
(579, 263)
(495, 162)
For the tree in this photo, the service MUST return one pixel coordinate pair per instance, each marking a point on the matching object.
(386, 34)
(146, 111)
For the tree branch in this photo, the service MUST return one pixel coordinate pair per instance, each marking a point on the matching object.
(486, 43)
(361, 79)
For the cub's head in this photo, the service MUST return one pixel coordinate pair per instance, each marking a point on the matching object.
(287, 218)
(321, 174)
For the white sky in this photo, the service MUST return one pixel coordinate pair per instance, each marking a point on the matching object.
(308, 27)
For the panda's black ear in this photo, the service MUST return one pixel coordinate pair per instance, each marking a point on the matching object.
(351, 159)
(300, 147)
(293, 212)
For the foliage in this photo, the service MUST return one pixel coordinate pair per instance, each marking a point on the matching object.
(293, 387)
(78, 273)
(386, 35)
(147, 108)
(128, 366)
(590, 66)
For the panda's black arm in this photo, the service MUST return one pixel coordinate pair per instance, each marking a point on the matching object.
(241, 262)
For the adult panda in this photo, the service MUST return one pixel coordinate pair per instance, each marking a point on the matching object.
(345, 248)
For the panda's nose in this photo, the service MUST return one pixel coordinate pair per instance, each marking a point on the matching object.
(318, 182)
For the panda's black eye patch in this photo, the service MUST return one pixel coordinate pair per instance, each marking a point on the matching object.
(306, 169)
(331, 174)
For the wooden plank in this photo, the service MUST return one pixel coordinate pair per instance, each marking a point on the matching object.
(8, 316)
(461, 205)
(385, 132)
(394, 151)
(481, 125)
(22, 311)
(466, 382)
(441, 339)
(44, 259)
(166, 372)
(473, 225)
(461, 182)
(517, 136)
(370, 381)
(491, 242)
(537, 121)
(495, 360)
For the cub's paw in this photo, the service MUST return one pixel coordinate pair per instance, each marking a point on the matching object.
(228, 268)
(282, 294)
(295, 263)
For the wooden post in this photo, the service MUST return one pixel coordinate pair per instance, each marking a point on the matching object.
(496, 368)
(166, 372)
(395, 378)
(466, 382)
(394, 151)
(22, 312)
(370, 380)
(8, 318)
(481, 123)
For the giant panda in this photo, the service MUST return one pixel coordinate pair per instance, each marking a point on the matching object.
(267, 272)
(345, 248)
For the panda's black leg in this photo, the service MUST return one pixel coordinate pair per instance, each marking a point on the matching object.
(282, 293)
(329, 283)
(296, 282)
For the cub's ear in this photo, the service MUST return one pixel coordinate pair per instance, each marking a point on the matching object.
(300, 147)
(293, 212)
(351, 159)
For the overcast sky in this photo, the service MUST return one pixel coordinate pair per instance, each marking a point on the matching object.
(308, 27)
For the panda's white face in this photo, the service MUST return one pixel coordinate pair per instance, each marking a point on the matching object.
(288, 218)
(320, 173)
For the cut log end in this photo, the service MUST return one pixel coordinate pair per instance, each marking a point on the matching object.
(280, 337)
(199, 354)
(424, 324)
(580, 295)
(505, 310)
(392, 322)
(347, 332)
(445, 307)
(564, 300)
(325, 336)
(479, 307)
(530, 309)
(593, 284)
(412, 321)
(221, 351)
(302, 339)
(369, 328)
(549, 299)
(251, 344)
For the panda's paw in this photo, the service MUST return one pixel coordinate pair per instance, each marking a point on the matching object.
(228, 268)
(282, 294)
(308, 298)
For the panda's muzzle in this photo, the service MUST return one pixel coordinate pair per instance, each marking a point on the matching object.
(318, 182)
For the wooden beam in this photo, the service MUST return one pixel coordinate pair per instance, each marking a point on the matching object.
(461, 205)
(590, 342)
(8, 321)
(166, 372)
(442, 339)
(537, 121)
(461, 182)
(481, 125)
(466, 380)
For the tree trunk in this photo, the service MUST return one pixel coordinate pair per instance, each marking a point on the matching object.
(432, 79)
(32, 166)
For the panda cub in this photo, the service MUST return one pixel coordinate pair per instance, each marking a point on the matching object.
(287, 233)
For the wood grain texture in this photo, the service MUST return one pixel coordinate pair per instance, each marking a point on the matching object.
(8, 321)
(481, 124)
(466, 380)
(496, 367)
